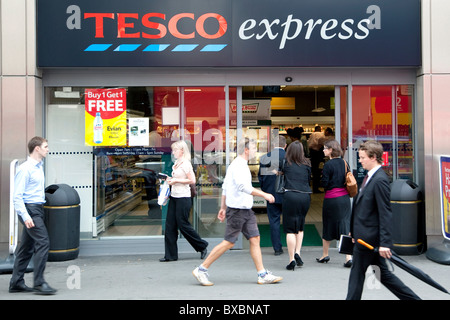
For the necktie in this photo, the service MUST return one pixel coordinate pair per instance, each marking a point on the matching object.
(364, 181)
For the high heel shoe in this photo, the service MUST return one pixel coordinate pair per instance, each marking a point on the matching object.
(291, 266)
(348, 264)
(298, 260)
(324, 259)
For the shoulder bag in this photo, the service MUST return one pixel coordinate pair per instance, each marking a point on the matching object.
(350, 182)
(280, 180)
(193, 189)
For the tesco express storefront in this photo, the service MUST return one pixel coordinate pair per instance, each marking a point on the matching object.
(194, 70)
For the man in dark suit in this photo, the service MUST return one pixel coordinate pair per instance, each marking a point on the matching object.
(371, 221)
(269, 164)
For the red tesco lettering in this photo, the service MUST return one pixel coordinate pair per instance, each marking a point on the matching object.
(126, 23)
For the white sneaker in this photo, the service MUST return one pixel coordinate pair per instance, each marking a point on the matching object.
(268, 278)
(202, 277)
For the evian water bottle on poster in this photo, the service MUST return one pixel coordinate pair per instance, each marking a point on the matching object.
(98, 129)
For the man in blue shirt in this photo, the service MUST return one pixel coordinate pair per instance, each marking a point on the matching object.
(29, 199)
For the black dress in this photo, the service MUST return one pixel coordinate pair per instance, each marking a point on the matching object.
(336, 211)
(297, 198)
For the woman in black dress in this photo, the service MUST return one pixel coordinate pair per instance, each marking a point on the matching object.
(296, 200)
(336, 204)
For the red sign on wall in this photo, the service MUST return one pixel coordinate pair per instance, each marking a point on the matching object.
(385, 159)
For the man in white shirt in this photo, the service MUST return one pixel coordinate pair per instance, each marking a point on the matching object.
(29, 199)
(236, 206)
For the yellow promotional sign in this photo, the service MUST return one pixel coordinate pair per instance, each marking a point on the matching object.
(445, 195)
(105, 117)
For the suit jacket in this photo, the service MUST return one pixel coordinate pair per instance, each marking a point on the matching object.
(267, 163)
(371, 218)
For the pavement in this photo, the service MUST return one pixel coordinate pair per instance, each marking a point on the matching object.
(143, 277)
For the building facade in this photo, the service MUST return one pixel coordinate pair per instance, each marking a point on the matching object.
(210, 74)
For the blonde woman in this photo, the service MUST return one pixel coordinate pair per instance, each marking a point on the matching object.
(180, 204)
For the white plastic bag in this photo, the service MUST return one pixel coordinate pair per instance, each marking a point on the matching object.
(164, 193)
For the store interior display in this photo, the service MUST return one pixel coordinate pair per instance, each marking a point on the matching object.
(124, 186)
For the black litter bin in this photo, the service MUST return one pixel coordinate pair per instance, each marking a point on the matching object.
(62, 219)
(408, 215)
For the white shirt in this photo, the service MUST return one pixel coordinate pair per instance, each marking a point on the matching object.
(28, 186)
(181, 171)
(372, 172)
(237, 185)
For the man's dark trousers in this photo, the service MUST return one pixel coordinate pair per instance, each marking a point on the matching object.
(362, 259)
(34, 241)
(274, 212)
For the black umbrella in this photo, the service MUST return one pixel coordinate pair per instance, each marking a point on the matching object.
(408, 268)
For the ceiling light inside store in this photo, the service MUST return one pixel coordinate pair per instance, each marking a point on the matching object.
(315, 102)
(67, 93)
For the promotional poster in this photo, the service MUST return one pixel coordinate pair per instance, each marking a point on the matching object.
(105, 117)
(445, 195)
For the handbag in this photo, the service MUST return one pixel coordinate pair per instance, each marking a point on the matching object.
(164, 193)
(280, 180)
(350, 182)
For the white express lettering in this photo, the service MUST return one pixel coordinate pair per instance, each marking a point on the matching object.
(268, 29)
(328, 26)
(287, 26)
(347, 29)
(363, 29)
(247, 25)
(291, 28)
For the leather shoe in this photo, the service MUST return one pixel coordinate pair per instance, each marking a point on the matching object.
(203, 253)
(167, 260)
(44, 289)
(20, 288)
(277, 253)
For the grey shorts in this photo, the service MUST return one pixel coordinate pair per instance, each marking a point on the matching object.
(240, 220)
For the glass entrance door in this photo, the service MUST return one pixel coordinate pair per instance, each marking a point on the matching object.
(205, 124)
(384, 113)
